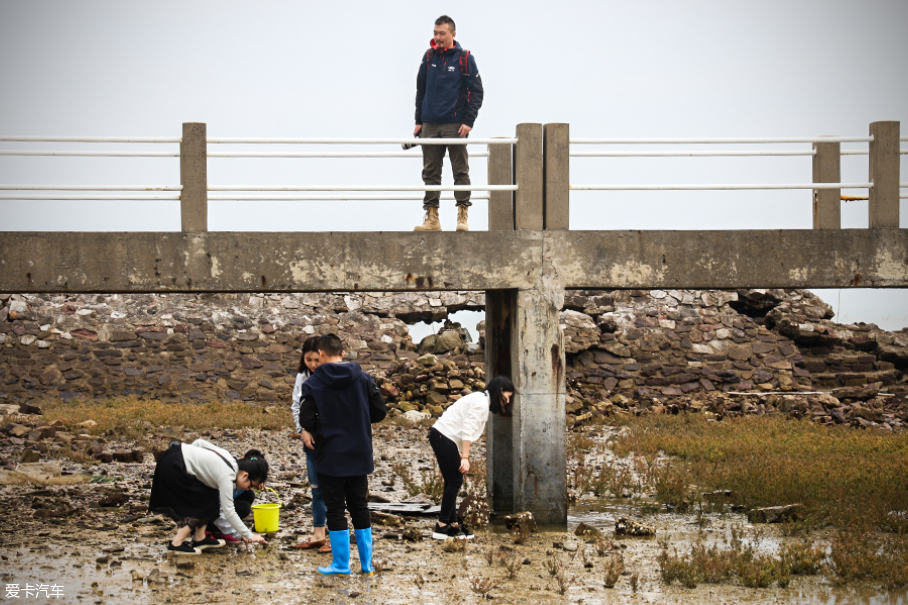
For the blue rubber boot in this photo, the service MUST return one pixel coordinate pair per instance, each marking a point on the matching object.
(364, 545)
(340, 550)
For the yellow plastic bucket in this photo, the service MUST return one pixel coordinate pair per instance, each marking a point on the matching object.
(267, 515)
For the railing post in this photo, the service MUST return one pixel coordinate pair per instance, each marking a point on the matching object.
(556, 150)
(501, 203)
(827, 203)
(194, 177)
(528, 199)
(884, 174)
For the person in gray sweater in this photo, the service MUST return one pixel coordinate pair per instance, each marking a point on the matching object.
(194, 482)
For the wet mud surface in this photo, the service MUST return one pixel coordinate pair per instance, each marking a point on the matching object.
(94, 542)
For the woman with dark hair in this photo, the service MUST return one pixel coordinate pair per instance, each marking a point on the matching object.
(194, 482)
(451, 437)
(309, 361)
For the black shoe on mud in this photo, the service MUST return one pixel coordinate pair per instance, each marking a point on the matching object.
(183, 549)
(207, 542)
(466, 532)
(446, 532)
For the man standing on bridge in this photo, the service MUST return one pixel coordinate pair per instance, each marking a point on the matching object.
(448, 98)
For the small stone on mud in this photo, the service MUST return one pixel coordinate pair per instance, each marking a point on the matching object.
(629, 527)
(587, 530)
(524, 521)
(30, 456)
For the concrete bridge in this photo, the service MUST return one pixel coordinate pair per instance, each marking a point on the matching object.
(525, 262)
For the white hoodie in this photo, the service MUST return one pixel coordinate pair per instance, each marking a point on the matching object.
(465, 420)
(216, 471)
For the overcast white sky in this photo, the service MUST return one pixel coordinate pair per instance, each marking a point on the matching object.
(348, 69)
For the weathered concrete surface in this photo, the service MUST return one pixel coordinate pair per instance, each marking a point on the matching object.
(827, 203)
(265, 262)
(194, 177)
(538, 449)
(395, 261)
(884, 174)
(866, 258)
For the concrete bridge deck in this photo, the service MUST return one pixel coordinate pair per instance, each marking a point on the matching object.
(491, 260)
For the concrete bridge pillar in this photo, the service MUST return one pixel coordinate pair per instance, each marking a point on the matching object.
(526, 455)
(539, 456)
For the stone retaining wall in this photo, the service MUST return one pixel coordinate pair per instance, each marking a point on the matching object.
(625, 349)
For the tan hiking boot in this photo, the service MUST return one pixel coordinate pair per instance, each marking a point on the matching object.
(431, 222)
(462, 218)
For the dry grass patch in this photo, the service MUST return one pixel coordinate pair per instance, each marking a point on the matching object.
(132, 418)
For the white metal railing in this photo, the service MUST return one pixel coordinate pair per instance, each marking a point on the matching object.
(718, 153)
(327, 154)
(722, 141)
(20, 196)
(330, 188)
(365, 188)
(107, 154)
(720, 187)
(87, 196)
(91, 190)
(326, 197)
(673, 154)
(333, 141)
(56, 139)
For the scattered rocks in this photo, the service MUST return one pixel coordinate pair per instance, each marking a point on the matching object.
(523, 522)
(30, 456)
(628, 527)
(775, 514)
(474, 511)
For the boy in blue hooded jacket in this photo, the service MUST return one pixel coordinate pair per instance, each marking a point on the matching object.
(339, 404)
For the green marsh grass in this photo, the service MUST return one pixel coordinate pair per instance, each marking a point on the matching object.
(842, 476)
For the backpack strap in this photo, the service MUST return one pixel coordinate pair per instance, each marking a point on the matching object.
(464, 62)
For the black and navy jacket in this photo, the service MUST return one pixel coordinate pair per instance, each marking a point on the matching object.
(339, 404)
(448, 87)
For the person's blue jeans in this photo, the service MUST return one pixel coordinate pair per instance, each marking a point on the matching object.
(319, 509)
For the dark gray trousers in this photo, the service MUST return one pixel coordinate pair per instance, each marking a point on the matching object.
(433, 158)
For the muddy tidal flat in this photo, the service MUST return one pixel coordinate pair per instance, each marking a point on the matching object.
(79, 533)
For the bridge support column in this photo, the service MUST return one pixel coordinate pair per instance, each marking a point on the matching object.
(539, 455)
(500, 305)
